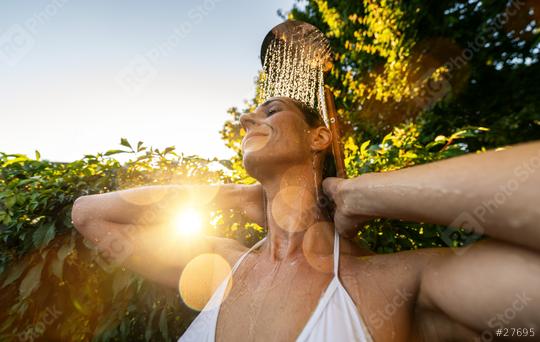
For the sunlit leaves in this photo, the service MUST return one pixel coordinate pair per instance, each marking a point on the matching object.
(43, 235)
(31, 280)
(124, 142)
(331, 17)
(40, 253)
(14, 273)
(57, 265)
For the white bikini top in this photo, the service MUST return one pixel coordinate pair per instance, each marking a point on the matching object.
(334, 319)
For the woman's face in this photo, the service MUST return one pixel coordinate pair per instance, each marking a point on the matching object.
(276, 134)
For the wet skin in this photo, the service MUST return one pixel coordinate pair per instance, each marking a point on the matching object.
(430, 294)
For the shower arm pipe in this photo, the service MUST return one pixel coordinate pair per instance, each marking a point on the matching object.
(337, 148)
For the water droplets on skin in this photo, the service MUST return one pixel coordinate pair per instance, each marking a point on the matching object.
(294, 71)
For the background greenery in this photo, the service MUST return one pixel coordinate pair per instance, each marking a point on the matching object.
(415, 81)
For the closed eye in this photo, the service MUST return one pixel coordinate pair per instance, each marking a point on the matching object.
(272, 111)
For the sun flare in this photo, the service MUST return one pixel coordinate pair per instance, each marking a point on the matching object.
(188, 222)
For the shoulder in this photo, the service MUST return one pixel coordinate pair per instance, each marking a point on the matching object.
(385, 288)
(386, 275)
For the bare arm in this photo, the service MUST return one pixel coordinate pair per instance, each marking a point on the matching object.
(485, 286)
(496, 193)
(490, 284)
(135, 227)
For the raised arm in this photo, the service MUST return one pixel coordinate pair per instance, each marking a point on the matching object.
(496, 193)
(492, 284)
(136, 227)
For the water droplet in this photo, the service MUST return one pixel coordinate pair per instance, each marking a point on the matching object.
(294, 70)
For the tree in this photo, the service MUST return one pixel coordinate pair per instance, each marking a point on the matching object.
(417, 81)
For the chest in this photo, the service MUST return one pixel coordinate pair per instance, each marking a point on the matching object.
(274, 302)
(270, 302)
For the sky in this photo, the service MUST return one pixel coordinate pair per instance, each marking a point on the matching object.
(77, 76)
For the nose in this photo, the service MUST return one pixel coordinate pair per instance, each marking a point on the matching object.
(248, 121)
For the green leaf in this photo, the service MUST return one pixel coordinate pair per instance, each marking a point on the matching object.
(363, 148)
(111, 152)
(31, 281)
(20, 158)
(43, 235)
(57, 265)
(169, 149)
(227, 163)
(25, 181)
(163, 324)
(440, 138)
(14, 273)
(124, 142)
(10, 201)
(148, 333)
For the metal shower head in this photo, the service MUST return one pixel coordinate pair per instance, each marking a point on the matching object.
(302, 34)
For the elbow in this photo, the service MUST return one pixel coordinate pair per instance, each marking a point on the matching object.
(79, 213)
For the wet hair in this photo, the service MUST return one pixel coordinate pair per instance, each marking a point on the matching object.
(314, 120)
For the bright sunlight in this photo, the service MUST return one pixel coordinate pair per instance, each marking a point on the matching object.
(188, 222)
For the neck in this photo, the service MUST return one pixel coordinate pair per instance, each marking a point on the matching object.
(292, 212)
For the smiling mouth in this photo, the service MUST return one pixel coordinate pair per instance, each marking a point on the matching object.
(253, 135)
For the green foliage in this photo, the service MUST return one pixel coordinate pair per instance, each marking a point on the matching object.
(454, 63)
(45, 263)
(402, 148)
(398, 149)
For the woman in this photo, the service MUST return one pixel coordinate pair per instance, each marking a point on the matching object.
(278, 291)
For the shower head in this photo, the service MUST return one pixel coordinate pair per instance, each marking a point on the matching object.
(301, 34)
(300, 56)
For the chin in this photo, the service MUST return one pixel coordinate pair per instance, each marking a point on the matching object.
(264, 164)
(256, 163)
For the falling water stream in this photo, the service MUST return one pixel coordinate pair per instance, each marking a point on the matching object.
(294, 70)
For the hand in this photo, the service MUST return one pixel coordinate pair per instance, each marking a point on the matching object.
(347, 221)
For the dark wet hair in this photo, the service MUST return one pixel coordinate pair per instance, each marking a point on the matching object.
(314, 119)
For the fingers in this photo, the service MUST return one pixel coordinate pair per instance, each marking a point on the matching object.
(331, 186)
(345, 225)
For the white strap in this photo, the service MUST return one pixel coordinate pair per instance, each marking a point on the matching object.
(336, 253)
(255, 246)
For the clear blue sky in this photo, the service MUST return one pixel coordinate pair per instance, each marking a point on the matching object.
(76, 76)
